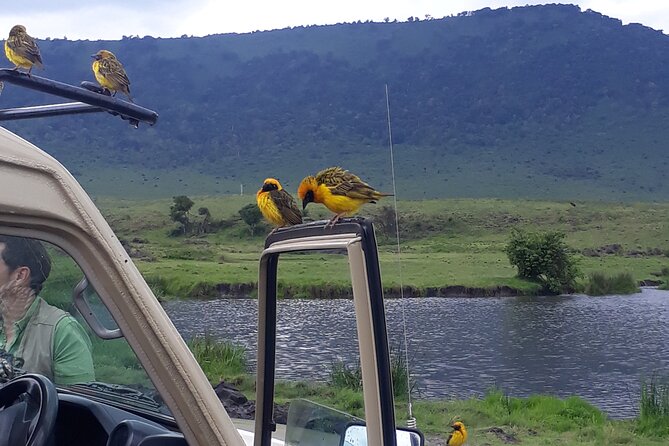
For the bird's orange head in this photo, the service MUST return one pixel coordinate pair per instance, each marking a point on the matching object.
(270, 184)
(17, 30)
(307, 190)
(103, 54)
(458, 426)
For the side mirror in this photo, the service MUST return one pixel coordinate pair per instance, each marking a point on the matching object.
(356, 435)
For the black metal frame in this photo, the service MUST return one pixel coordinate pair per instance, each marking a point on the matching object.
(91, 99)
(364, 229)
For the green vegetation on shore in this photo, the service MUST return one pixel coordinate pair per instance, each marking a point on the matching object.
(600, 284)
(448, 246)
(493, 419)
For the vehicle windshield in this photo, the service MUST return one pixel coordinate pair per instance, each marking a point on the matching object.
(43, 332)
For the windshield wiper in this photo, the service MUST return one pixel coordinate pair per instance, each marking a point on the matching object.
(119, 394)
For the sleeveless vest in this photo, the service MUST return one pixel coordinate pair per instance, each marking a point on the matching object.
(36, 346)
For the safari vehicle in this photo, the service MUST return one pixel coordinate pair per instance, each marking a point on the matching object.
(175, 404)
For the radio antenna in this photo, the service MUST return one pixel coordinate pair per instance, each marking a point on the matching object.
(411, 421)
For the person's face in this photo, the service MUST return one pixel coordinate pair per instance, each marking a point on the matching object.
(18, 277)
(5, 272)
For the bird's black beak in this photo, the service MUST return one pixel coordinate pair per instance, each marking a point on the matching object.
(308, 198)
(265, 187)
(95, 56)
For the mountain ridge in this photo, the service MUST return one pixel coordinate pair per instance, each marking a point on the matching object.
(538, 102)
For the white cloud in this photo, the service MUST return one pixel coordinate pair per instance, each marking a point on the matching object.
(647, 12)
(96, 19)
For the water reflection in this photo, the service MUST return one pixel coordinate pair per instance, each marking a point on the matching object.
(598, 348)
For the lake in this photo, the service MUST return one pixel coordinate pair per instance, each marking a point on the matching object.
(598, 348)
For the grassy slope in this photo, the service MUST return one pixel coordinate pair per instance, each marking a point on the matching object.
(445, 242)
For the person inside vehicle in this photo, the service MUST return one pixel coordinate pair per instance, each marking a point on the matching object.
(40, 337)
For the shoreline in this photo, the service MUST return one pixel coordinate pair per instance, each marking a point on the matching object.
(242, 290)
(327, 291)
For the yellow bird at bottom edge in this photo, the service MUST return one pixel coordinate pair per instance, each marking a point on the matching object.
(459, 435)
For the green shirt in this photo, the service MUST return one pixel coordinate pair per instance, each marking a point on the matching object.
(69, 354)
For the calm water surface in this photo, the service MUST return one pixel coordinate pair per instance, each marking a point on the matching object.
(597, 348)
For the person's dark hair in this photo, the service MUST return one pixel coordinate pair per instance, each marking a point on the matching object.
(27, 252)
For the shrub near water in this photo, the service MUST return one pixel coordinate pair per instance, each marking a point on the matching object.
(600, 284)
(664, 275)
(654, 408)
(543, 257)
(344, 376)
(218, 359)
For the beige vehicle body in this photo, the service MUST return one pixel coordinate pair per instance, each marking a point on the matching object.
(40, 199)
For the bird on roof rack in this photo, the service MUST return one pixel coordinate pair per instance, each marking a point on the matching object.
(339, 190)
(276, 205)
(110, 74)
(22, 50)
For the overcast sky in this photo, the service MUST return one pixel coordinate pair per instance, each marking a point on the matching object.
(98, 19)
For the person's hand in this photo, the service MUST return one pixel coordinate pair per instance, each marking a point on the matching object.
(6, 366)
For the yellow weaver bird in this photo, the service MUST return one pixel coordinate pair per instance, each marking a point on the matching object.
(110, 73)
(339, 190)
(277, 205)
(21, 49)
(459, 435)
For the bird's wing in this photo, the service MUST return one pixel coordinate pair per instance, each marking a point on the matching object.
(114, 72)
(25, 46)
(343, 182)
(286, 204)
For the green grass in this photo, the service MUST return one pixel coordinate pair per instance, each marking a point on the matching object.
(444, 243)
(600, 284)
(535, 420)
(346, 376)
(654, 407)
(218, 359)
(663, 277)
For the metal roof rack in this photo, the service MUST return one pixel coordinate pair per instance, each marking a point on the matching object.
(90, 99)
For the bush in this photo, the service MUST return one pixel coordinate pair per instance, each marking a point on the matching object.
(251, 216)
(343, 376)
(543, 257)
(180, 213)
(664, 274)
(653, 417)
(218, 359)
(600, 284)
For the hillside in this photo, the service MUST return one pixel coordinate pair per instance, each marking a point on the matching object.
(537, 102)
